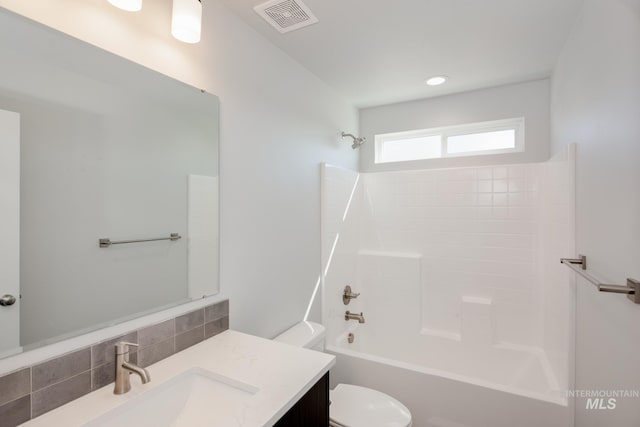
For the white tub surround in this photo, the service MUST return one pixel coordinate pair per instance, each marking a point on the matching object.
(460, 284)
(282, 374)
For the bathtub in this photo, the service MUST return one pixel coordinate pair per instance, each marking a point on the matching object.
(444, 383)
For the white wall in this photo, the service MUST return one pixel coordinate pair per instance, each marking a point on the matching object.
(596, 103)
(278, 122)
(529, 100)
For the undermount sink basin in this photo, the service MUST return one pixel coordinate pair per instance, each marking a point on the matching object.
(193, 398)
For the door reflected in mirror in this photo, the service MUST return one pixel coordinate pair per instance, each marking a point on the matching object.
(108, 150)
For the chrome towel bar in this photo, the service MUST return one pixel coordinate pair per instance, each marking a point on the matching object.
(579, 265)
(105, 243)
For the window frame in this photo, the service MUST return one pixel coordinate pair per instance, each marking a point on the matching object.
(445, 132)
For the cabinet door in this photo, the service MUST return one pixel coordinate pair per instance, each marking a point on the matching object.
(312, 410)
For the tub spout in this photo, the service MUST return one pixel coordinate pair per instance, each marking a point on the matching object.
(353, 316)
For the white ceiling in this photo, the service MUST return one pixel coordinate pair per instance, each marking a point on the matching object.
(377, 52)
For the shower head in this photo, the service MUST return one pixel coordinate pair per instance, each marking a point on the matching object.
(357, 142)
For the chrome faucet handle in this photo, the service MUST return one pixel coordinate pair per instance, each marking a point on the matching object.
(347, 295)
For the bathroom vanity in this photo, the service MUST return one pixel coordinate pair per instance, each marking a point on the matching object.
(230, 380)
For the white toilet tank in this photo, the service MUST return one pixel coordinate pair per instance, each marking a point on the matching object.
(304, 334)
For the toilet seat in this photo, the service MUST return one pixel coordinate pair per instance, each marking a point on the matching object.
(355, 406)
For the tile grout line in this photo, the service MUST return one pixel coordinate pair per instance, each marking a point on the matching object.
(90, 369)
(30, 392)
(13, 400)
(61, 381)
(217, 318)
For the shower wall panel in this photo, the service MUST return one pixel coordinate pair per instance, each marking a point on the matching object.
(478, 234)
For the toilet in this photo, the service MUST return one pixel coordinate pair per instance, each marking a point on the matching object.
(351, 405)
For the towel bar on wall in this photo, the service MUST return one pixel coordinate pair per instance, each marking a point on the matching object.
(579, 265)
(105, 243)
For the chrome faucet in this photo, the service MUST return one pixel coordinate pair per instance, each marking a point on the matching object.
(348, 295)
(353, 316)
(124, 369)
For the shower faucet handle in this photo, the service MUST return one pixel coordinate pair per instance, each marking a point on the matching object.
(347, 295)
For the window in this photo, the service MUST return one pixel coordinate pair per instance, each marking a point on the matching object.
(496, 137)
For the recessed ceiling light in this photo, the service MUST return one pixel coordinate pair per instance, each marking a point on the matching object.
(436, 80)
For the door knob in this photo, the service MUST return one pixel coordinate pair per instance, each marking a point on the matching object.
(7, 300)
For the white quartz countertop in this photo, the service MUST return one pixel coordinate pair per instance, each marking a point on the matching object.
(282, 373)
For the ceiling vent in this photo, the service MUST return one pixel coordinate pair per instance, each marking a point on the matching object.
(286, 15)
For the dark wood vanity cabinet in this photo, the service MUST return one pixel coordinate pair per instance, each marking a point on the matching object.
(312, 410)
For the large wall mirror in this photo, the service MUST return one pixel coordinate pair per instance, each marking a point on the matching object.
(93, 146)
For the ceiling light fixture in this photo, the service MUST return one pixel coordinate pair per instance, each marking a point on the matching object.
(128, 5)
(436, 80)
(186, 21)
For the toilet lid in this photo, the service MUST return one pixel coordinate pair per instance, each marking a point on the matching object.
(354, 406)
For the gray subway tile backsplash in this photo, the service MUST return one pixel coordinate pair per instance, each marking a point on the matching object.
(216, 311)
(189, 338)
(62, 367)
(189, 321)
(156, 333)
(103, 375)
(16, 412)
(15, 385)
(214, 328)
(156, 352)
(35, 390)
(55, 395)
